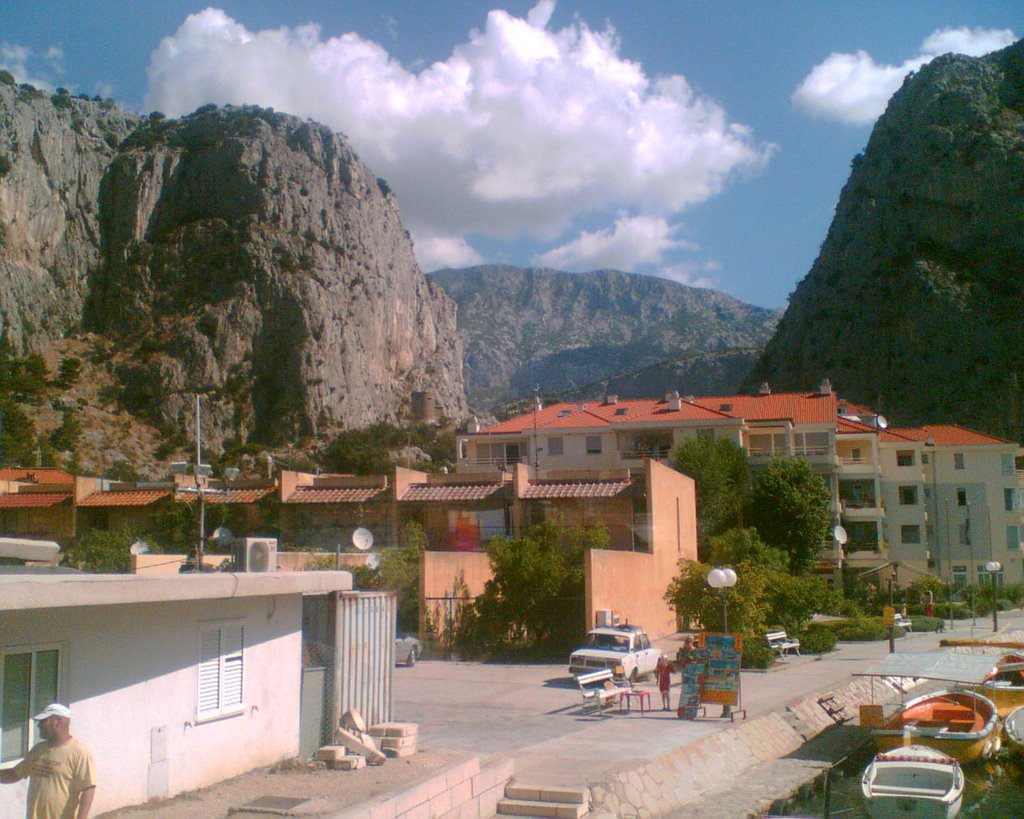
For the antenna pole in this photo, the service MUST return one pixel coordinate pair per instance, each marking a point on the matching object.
(200, 480)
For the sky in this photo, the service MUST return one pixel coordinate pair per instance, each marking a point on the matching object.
(702, 142)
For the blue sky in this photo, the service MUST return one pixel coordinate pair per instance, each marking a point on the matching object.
(703, 142)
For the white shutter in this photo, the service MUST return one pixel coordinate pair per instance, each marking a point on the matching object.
(231, 675)
(209, 672)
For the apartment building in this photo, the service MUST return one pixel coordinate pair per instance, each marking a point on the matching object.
(891, 488)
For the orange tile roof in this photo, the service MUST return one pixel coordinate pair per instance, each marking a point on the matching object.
(130, 497)
(32, 500)
(580, 416)
(553, 489)
(944, 435)
(799, 407)
(352, 494)
(37, 474)
(451, 491)
(233, 495)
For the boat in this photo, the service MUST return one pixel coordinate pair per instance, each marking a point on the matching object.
(1013, 728)
(959, 723)
(1005, 685)
(915, 781)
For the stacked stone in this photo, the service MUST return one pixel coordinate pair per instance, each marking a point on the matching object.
(396, 739)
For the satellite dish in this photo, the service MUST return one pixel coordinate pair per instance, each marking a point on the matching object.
(222, 535)
(839, 533)
(881, 421)
(139, 547)
(362, 539)
(231, 473)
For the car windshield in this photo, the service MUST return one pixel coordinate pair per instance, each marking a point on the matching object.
(612, 642)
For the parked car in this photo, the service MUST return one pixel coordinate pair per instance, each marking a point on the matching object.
(408, 650)
(616, 647)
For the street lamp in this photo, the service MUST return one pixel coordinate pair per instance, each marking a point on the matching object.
(720, 580)
(993, 567)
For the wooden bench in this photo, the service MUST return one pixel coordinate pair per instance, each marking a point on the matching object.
(902, 622)
(780, 643)
(598, 689)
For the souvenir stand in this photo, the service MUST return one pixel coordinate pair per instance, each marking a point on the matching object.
(711, 675)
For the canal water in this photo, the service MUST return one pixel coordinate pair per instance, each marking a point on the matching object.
(995, 790)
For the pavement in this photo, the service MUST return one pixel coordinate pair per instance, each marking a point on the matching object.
(532, 713)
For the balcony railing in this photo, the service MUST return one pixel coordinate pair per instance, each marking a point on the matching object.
(496, 460)
(658, 453)
(766, 452)
(848, 460)
(810, 451)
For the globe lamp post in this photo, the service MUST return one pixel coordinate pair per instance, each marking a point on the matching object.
(993, 567)
(720, 580)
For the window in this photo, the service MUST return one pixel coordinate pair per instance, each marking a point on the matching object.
(964, 532)
(924, 457)
(622, 410)
(908, 495)
(961, 497)
(220, 669)
(958, 460)
(1009, 466)
(555, 447)
(905, 457)
(593, 444)
(29, 681)
(811, 443)
(1012, 537)
(463, 449)
(959, 577)
(772, 443)
(985, 578)
(910, 534)
(1009, 499)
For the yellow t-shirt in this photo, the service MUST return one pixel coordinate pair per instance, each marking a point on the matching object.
(56, 777)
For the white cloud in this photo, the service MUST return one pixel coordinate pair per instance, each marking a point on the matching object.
(854, 89)
(696, 274)
(521, 130)
(16, 59)
(435, 252)
(634, 242)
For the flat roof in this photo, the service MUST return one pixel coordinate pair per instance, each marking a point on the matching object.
(54, 591)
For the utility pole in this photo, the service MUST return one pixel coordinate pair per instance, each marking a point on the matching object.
(972, 568)
(949, 551)
(201, 473)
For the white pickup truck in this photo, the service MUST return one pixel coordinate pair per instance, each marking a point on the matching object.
(614, 647)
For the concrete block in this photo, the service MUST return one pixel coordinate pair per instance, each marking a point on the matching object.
(488, 778)
(488, 801)
(461, 792)
(417, 795)
(394, 729)
(353, 762)
(462, 771)
(442, 803)
(331, 753)
(399, 753)
(360, 745)
(391, 743)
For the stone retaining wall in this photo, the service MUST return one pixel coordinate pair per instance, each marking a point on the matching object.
(461, 791)
(683, 775)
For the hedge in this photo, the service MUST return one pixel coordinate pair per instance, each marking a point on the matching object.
(817, 640)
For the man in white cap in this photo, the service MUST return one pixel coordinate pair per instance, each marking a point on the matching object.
(61, 782)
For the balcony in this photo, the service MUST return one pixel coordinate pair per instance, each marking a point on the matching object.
(862, 509)
(638, 453)
(849, 465)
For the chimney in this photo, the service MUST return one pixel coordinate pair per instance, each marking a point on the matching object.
(611, 399)
(674, 402)
(764, 389)
(825, 387)
(671, 394)
(473, 425)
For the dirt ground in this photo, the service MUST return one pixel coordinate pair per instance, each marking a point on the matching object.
(327, 791)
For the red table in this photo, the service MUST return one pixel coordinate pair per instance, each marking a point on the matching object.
(644, 698)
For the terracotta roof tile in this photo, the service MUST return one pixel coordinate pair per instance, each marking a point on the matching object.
(352, 494)
(945, 435)
(553, 489)
(451, 491)
(131, 497)
(233, 495)
(582, 416)
(800, 407)
(32, 500)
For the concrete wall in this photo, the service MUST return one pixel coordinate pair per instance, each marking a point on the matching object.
(438, 572)
(131, 670)
(633, 584)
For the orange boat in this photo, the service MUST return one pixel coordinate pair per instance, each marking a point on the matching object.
(1005, 685)
(959, 723)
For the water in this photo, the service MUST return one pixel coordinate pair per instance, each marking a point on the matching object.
(995, 790)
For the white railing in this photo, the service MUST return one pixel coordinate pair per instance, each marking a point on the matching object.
(846, 460)
(659, 453)
(810, 451)
(495, 460)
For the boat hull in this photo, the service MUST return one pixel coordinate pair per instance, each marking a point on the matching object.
(906, 807)
(981, 741)
(1013, 730)
(1006, 698)
(916, 781)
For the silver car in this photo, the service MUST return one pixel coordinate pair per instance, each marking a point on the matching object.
(408, 650)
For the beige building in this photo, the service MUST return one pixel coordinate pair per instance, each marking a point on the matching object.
(891, 488)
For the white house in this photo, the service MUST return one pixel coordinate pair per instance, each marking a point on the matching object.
(175, 682)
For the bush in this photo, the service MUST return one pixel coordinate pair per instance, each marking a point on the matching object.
(921, 622)
(858, 629)
(756, 652)
(817, 640)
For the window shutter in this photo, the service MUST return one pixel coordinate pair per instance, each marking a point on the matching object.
(231, 653)
(209, 672)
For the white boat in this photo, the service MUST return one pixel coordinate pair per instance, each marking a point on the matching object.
(915, 781)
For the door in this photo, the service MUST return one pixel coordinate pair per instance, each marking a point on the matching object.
(315, 705)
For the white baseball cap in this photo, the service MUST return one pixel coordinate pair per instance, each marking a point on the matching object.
(54, 709)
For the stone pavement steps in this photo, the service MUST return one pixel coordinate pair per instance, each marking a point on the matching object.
(544, 801)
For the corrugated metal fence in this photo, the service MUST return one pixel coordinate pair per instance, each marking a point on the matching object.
(365, 654)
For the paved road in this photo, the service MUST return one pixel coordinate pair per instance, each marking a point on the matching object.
(531, 712)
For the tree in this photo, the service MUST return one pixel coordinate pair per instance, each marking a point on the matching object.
(744, 546)
(17, 436)
(102, 550)
(399, 570)
(719, 469)
(692, 597)
(534, 600)
(789, 507)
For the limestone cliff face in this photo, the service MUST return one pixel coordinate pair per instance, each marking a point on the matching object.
(237, 252)
(915, 301)
(253, 255)
(53, 153)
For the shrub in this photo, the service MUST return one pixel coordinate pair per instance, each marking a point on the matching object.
(756, 653)
(7, 78)
(858, 629)
(923, 623)
(5, 166)
(817, 640)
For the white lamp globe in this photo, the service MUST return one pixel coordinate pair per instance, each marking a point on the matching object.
(730, 576)
(991, 567)
(717, 579)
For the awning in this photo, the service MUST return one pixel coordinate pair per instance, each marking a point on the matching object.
(934, 665)
(22, 549)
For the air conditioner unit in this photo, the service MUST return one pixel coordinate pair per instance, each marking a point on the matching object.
(257, 554)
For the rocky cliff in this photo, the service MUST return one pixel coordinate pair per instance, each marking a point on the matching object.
(237, 252)
(523, 328)
(915, 302)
